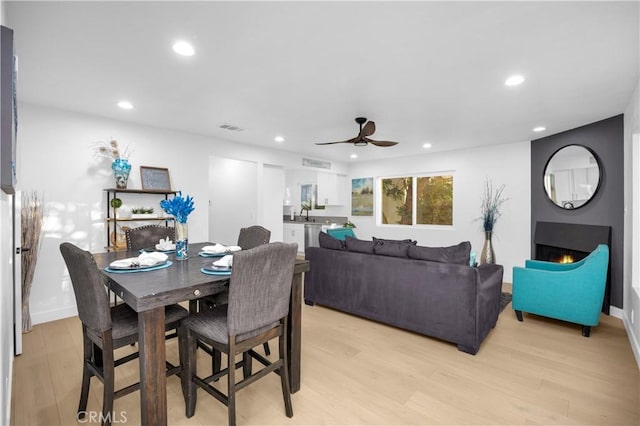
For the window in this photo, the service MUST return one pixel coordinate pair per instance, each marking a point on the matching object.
(429, 196)
(434, 204)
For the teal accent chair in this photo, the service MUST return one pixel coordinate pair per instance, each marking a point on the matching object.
(570, 292)
(341, 233)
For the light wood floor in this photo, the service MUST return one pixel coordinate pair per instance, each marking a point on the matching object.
(357, 372)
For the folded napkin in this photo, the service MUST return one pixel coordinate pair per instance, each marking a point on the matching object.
(165, 244)
(224, 262)
(145, 260)
(215, 249)
(218, 248)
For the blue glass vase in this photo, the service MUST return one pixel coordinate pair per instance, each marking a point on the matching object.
(121, 169)
(182, 241)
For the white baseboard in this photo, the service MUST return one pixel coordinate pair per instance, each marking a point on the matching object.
(635, 344)
(616, 312)
(53, 315)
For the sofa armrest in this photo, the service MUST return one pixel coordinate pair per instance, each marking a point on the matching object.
(488, 298)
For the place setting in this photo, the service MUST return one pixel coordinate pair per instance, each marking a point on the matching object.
(147, 261)
(221, 266)
(217, 250)
(165, 245)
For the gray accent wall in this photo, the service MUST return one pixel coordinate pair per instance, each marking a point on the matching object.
(605, 138)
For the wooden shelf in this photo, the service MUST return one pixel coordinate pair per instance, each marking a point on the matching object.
(138, 191)
(139, 219)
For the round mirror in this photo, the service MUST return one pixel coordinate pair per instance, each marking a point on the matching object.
(572, 176)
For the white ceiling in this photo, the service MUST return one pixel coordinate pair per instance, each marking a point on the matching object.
(423, 71)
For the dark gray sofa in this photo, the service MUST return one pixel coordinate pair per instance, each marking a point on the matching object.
(452, 302)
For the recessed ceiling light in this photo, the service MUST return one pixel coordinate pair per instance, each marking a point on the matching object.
(539, 129)
(125, 105)
(514, 80)
(354, 156)
(183, 48)
(426, 145)
(278, 139)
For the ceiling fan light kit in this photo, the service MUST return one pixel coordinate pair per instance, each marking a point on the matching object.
(362, 139)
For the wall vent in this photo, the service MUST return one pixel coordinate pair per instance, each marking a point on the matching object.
(231, 127)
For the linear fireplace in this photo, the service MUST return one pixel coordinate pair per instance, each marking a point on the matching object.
(569, 242)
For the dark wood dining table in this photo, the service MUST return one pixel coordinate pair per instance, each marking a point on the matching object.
(150, 291)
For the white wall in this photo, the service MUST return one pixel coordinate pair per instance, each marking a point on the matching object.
(55, 158)
(631, 268)
(508, 164)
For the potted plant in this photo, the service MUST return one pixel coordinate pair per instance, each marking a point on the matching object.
(143, 213)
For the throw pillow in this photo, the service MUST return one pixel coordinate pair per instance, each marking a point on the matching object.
(360, 246)
(391, 248)
(328, 242)
(408, 240)
(458, 254)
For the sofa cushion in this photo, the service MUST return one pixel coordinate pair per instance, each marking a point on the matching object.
(391, 248)
(328, 242)
(360, 246)
(458, 254)
(408, 240)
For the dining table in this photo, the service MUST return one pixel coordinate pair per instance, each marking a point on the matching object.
(148, 292)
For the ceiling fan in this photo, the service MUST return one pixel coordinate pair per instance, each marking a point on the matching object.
(362, 138)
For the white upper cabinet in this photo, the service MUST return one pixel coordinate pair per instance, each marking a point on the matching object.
(330, 189)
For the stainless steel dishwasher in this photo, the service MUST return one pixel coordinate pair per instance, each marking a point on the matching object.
(311, 233)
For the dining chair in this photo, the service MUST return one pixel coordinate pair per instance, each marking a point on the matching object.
(259, 292)
(148, 236)
(248, 238)
(105, 329)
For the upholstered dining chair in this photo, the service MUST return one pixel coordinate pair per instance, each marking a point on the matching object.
(570, 292)
(105, 329)
(248, 238)
(148, 236)
(259, 293)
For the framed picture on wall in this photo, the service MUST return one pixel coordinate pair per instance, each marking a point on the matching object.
(362, 197)
(155, 178)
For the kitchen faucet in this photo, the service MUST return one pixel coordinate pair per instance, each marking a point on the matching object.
(305, 208)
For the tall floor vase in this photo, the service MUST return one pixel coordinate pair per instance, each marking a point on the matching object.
(487, 255)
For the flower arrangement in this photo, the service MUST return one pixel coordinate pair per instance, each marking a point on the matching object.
(111, 150)
(179, 207)
(490, 208)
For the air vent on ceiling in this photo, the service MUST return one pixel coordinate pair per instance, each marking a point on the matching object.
(231, 127)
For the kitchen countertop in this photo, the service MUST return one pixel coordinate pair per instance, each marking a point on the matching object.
(316, 220)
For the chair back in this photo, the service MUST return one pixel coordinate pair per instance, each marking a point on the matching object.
(148, 236)
(253, 236)
(260, 286)
(88, 286)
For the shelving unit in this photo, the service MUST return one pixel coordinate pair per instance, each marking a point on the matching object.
(112, 220)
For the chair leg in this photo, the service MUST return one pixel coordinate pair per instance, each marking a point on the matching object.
(86, 374)
(231, 384)
(586, 330)
(189, 371)
(284, 373)
(519, 315)
(247, 365)
(108, 372)
(267, 351)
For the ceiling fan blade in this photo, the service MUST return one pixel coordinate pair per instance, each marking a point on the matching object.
(368, 129)
(382, 143)
(331, 143)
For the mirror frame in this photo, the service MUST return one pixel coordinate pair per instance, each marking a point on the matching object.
(595, 191)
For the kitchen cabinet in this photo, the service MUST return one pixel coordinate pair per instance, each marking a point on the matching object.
(330, 189)
(294, 233)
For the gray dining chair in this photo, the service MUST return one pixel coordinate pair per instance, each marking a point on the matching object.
(105, 329)
(259, 292)
(248, 238)
(148, 236)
